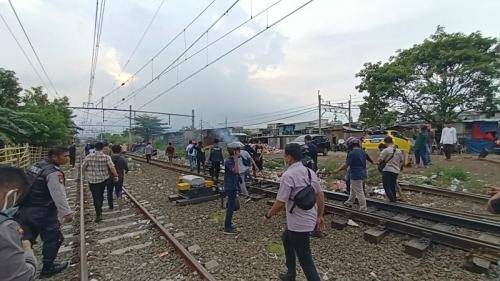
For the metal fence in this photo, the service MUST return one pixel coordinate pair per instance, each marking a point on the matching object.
(21, 156)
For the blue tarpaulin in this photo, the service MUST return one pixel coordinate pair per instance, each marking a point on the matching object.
(476, 146)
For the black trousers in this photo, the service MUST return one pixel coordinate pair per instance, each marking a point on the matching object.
(42, 221)
(72, 159)
(110, 187)
(148, 158)
(389, 181)
(215, 171)
(97, 190)
(200, 162)
(297, 244)
(448, 148)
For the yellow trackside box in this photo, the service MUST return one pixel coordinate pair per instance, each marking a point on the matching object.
(183, 186)
(209, 184)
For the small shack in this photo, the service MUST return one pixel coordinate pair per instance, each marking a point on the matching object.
(481, 134)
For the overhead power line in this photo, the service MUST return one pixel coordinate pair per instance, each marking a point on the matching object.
(142, 36)
(161, 50)
(281, 118)
(24, 52)
(225, 54)
(172, 67)
(277, 111)
(98, 21)
(183, 52)
(33, 49)
(272, 115)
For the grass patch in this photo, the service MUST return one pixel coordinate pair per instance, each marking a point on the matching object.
(453, 177)
(217, 216)
(275, 248)
(273, 164)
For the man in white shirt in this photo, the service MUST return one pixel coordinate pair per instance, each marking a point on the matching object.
(448, 140)
(245, 162)
(191, 153)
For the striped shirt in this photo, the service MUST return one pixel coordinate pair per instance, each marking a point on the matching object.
(96, 167)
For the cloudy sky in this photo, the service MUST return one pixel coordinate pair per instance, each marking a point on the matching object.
(321, 47)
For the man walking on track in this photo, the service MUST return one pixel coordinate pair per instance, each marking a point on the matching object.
(121, 167)
(301, 195)
(191, 153)
(149, 152)
(448, 140)
(170, 152)
(216, 159)
(72, 154)
(45, 203)
(97, 168)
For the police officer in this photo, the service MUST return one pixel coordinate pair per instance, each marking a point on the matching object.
(17, 261)
(45, 203)
(215, 158)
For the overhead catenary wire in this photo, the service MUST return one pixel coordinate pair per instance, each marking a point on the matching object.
(98, 22)
(185, 50)
(272, 115)
(172, 67)
(142, 37)
(23, 51)
(281, 118)
(33, 48)
(277, 111)
(161, 50)
(225, 54)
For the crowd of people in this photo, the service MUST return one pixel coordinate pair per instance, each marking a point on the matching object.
(35, 204)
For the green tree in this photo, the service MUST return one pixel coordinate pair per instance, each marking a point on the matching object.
(148, 126)
(54, 116)
(17, 126)
(435, 81)
(9, 89)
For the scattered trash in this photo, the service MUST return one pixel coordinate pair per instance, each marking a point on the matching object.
(372, 274)
(455, 181)
(339, 185)
(161, 255)
(434, 177)
(453, 187)
(352, 223)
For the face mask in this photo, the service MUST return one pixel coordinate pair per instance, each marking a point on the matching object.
(11, 194)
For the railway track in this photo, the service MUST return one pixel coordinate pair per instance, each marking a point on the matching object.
(458, 230)
(131, 243)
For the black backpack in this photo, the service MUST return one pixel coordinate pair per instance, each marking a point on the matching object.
(305, 198)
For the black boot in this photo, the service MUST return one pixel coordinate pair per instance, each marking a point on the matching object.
(53, 268)
(98, 218)
(286, 277)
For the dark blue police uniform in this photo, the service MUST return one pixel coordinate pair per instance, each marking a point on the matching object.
(38, 213)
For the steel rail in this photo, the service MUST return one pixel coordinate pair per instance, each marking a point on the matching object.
(436, 235)
(437, 215)
(188, 258)
(84, 270)
(478, 198)
(468, 220)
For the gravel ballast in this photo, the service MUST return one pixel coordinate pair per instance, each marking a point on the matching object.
(255, 253)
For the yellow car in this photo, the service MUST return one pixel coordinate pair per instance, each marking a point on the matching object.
(373, 140)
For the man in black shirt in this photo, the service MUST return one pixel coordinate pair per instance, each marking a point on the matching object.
(121, 167)
(72, 154)
(216, 159)
(311, 150)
